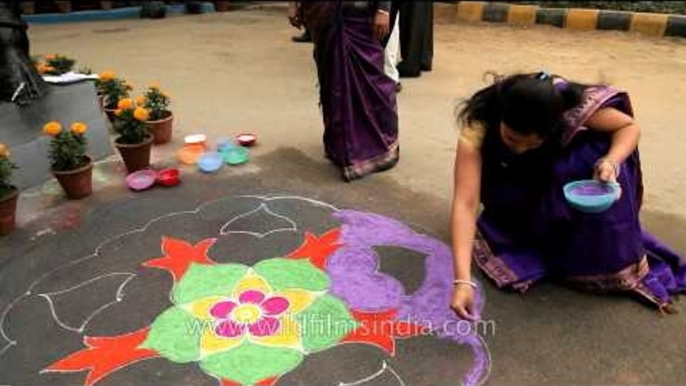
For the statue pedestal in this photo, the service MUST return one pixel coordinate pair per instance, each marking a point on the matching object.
(21, 128)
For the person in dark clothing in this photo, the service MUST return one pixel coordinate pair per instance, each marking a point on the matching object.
(416, 36)
(19, 79)
(304, 38)
(357, 98)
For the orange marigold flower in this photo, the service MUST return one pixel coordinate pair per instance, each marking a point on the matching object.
(52, 128)
(125, 103)
(107, 75)
(49, 68)
(50, 56)
(141, 100)
(141, 114)
(79, 128)
(118, 112)
(4, 150)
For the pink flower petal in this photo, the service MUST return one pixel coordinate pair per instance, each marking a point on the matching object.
(251, 296)
(275, 306)
(265, 327)
(229, 329)
(222, 310)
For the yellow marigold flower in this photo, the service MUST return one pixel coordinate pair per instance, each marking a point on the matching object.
(79, 128)
(50, 56)
(141, 114)
(118, 112)
(141, 100)
(52, 128)
(125, 103)
(107, 75)
(4, 150)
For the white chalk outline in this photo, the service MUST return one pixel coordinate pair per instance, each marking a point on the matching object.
(384, 367)
(10, 342)
(119, 296)
(197, 210)
(263, 207)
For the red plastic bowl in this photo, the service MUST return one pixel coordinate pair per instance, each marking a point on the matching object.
(246, 139)
(168, 177)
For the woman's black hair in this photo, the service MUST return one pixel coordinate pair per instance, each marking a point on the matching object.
(526, 103)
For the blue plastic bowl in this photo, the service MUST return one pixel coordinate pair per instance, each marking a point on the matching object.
(235, 155)
(591, 196)
(210, 162)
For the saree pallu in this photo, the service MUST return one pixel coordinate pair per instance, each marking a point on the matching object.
(528, 231)
(357, 99)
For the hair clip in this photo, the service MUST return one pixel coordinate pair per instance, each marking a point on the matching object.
(561, 85)
(543, 75)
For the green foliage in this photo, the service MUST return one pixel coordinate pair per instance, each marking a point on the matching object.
(113, 90)
(6, 169)
(68, 151)
(131, 130)
(157, 102)
(153, 10)
(59, 64)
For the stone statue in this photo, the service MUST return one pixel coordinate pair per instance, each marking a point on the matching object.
(19, 80)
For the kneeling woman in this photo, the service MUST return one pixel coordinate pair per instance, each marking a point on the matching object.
(523, 138)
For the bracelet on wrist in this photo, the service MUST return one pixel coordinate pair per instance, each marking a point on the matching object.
(466, 282)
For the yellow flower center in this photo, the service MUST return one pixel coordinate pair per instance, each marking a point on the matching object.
(246, 314)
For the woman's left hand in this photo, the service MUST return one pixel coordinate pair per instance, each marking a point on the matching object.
(381, 25)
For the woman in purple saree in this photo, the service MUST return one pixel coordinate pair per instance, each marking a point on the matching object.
(357, 99)
(523, 139)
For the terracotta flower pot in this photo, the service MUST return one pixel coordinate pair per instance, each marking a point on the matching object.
(77, 183)
(136, 156)
(110, 114)
(161, 130)
(8, 210)
(222, 6)
(63, 6)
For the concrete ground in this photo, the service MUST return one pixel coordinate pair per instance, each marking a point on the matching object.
(238, 71)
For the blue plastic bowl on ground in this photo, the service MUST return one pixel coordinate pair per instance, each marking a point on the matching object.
(235, 155)
(210, 162)
(591, 196)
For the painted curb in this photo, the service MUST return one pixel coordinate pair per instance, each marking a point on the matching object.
(651, 24)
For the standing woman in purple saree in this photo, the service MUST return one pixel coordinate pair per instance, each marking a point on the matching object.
(357, 98)
(522, 139)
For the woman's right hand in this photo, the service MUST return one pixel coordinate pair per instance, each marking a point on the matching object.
(294, 15)
(463, 301)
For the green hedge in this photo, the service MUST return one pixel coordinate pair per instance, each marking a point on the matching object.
(677, 7)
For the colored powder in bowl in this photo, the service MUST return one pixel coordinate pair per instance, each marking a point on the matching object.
(592, 190)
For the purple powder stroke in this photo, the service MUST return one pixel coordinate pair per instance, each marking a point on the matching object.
(355, 278)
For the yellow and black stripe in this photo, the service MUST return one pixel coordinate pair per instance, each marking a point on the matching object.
(654, 24)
